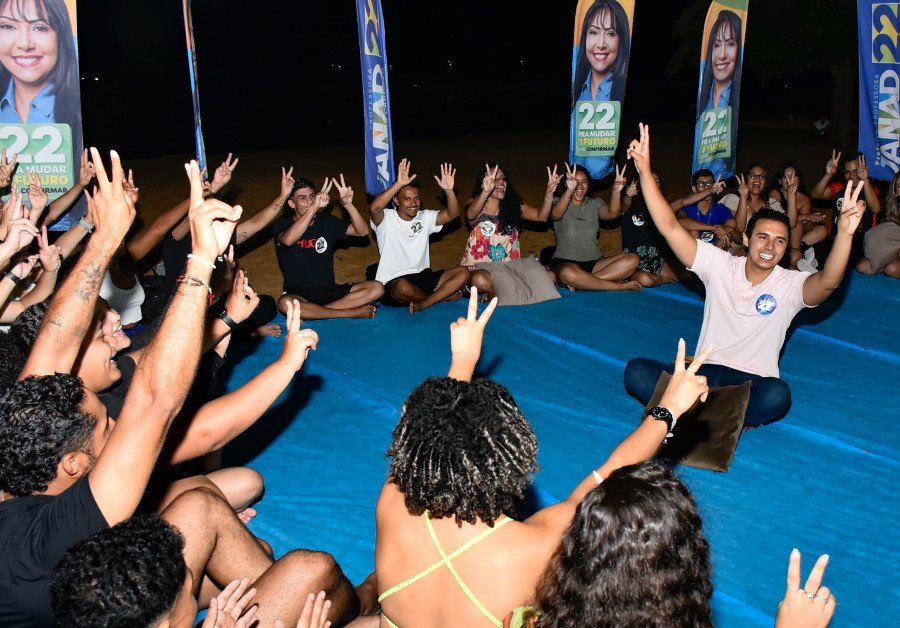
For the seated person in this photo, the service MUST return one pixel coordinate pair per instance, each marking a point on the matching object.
(854, 172)
(447, 552)
(705, 218)
(639, 234)
(304, 245)
(810, 228)
(578, 261)
(882, 242)
(750, 300)
(404, 266)
(74, 472)
(495, 211)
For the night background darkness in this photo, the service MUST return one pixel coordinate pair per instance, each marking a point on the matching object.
(283, 74)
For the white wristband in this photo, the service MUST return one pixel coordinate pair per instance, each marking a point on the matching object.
(201, 260)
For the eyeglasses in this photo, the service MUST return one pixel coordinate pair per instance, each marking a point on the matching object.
(757, 176)
(704, 184)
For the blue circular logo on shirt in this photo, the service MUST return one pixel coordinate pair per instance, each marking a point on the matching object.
(766, 304)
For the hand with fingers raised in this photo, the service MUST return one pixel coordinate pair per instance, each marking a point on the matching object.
(241, 299)
(21, 232)
(863, 170)
(297, 342)
(287, 183)
(7, 168)
(743, 188)
(403, 176)
(86, 170)
(852, 209)
(719, 186)
(448, 177)
(620, 180)
(489, 181)
(223, 173)
(553, 179)
(323, 196)
(832, 165)
(685, 387)
(345, 192)
(466, 334)
(113, 212)
(809, 607)
(37, 197)
(639, 150)
(212, 221)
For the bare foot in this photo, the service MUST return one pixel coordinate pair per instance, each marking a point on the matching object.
(456, 296)
(246, 515)
(630, 284)
(415, 306)
(367, 591)
(267, 330)
(366, 311)
(571, 288)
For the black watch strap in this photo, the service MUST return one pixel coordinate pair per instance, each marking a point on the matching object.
(232, 324)
(663, 414)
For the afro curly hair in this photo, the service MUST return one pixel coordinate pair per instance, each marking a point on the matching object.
(462, 450)
(127, 575)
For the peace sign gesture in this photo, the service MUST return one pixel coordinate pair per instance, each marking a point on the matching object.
(489, 182)
(639, 150)
(718, 186)
(813, 605)
(212, 221)
(7, 167)
(791, 183)
(222, 175)
(297, 342)
(852, 209)
(287, 181)
(553, 178)
(743, 188)
(831, 166)
(466, 333)
(322, 198)
(620, 181)
(345, 192)
(685, 386)
(863, 170)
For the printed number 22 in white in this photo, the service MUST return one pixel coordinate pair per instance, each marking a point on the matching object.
(710, 118)
(46, 154)
(604, 112)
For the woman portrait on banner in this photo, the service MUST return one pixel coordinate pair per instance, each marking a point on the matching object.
(39, 69)
(600, 70)
(719, 90)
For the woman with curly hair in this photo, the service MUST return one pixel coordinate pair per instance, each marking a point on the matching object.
(447, 552)
(634, 555)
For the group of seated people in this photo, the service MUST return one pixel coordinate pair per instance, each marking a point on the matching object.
(115, 511)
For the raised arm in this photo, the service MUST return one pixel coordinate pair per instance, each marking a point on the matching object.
(9, 310)
(358, 226)
(682, 242)
(293, 233)
(167, 367)
(820, 285)
(62, 204)
(488, 183)
(869, 194)
(376, 209)
(699, 195)
(684, 389)
(219, 421)
(615, 207)
(446, 182)
(562, 203)
(543, 213)
(64, 326)
(249, 228)
(821, 189)
(149, 237)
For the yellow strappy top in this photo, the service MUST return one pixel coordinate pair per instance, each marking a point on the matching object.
(445, 560)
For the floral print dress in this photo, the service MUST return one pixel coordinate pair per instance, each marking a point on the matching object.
(490, 241)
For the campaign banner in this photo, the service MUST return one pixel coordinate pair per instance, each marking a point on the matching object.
(379, 157)
(40, 97)
(721, 59)
(195, 91)
(879, 86)
(599, 70)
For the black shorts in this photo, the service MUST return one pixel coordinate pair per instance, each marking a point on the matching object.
(587, 266)
(425, 280)
(321, 295)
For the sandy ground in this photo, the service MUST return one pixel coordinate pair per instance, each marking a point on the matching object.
(524, 157)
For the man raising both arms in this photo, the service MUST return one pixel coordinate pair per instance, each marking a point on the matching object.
(402, 232)
(750, 301)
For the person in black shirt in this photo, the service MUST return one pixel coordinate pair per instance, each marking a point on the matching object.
(304, 245)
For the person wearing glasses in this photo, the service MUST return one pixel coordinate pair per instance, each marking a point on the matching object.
(703, 216)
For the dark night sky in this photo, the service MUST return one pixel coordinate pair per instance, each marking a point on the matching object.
(290, 76)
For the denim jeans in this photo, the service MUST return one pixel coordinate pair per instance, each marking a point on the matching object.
(770, 397)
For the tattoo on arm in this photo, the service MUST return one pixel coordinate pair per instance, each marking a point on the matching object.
(88, 283)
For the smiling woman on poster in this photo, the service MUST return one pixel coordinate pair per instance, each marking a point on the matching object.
(719, 89)
(39, 86)
(601, 68)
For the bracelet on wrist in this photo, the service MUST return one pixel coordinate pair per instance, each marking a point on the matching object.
(194, 282)
(87, 226)
(201, 260)
(225, 318)
(13, 277)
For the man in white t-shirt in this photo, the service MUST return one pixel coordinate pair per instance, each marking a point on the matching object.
(750, 301)
(402, 233)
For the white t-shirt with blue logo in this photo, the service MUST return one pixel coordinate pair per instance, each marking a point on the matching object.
(403, 244)
(746, 324)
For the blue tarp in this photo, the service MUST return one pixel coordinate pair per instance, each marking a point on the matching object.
(821, 480)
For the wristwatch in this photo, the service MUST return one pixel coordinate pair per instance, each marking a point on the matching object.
(665, 415)
(223, 316)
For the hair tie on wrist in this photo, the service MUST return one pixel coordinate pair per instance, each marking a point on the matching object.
(201, 260)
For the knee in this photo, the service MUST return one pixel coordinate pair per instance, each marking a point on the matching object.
(198, 504)
(892, 270)
(632, 260)
(567, 273)
(374, 290)
(283, 301)
(864, 266)
(481, 279)
(245, 486)
(318, 567)
(401, 290)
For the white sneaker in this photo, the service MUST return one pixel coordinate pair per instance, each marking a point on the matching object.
(810, 256)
